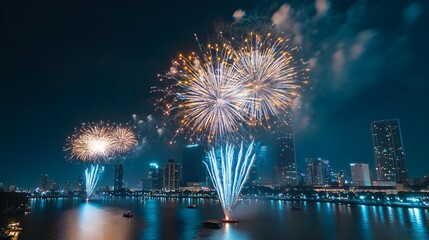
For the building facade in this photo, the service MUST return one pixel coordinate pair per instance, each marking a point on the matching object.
(154, 177)
(171, 175)
(194, 171)
(318, 172)
(388, 151)
(119, 177)
(360, 175)
(286, 162)
(44, 182)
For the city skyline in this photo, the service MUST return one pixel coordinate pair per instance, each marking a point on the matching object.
(194, 153)
(58, 73)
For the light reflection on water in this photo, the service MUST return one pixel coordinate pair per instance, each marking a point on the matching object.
(259, 219)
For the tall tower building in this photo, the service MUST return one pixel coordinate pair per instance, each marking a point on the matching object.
(252, 178)
(388, 150)
(68, 186)
(286, 162)
(317, 171)
(119, 177)
(44, 182)
(80, 185)
(360, 174)
(171, 175)
(193, 170)
(154, 177)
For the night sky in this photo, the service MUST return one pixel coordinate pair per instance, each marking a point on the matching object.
(68, 62)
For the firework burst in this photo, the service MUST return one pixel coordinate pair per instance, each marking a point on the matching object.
(207, 95)
(123, 138)
(91, 143)
(270, 74)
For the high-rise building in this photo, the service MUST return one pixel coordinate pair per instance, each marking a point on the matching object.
(193, 169)
(171, 175)
(252, 179)
(301, 177)
(80, 185)
(341, 178)
(286, 162)
(44, 182)
(68, 186)
(275, 175)
(360, 174)
(11, 188)
(154, 177)
(388, 151)
(317, 172)
(119, 177)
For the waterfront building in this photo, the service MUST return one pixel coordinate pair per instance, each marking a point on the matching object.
(11, 188)
(68, 186)
(274, 175)
(194, 171)
(253, 179)
(171, 175)
(317, 172)
(301, 178)
(360, 175)
(80, 185)
(154, 177)
(119, 177)
(388, 150)
(44, 182)
(286, 162)
(341, 178)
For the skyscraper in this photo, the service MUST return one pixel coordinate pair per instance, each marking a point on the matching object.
(80, 185)
(154, 177)
(318, 171)
(193, 169)
(171, 175)
(388, 150)
(360, 174)
(286, 162)
(252, 179)
(44, 182)
(68, 186)
(119, 177)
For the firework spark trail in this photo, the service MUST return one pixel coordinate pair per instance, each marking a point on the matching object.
(229, 174)
(92, 175)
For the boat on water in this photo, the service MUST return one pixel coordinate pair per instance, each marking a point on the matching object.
(230, 220)
(14, 227)
(212, 223)
(192, 206)
(127, 214)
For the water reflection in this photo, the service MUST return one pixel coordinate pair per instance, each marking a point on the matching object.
(163, 218)
(151, 219)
